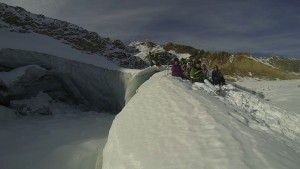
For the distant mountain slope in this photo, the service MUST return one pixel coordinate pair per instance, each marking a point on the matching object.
(288, 64)
(18, 19)
(242, 64)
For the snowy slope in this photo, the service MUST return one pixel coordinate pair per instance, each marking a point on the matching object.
(278, 93)
(171, 123)
(180, 55)
(44, 44)
(157, 51)
(17, 19)
(144, 49)
(283, 63)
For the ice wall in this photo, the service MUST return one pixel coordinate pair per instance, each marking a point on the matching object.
(137, 80)
(96, 87)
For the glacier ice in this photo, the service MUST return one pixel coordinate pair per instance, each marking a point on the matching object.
(71, 81)
(39, 104)
(25, 73)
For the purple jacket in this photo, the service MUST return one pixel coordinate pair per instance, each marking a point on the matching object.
(176, 70)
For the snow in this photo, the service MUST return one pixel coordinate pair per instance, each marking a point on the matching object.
(68, 139)
(180, 55)
(39, 104)
(94, 86)
(231, 59)
(8, 78)
(138, 79)
(171, 123)
(265, 116)
(265, 61)
(168, 123)
(90, 78)
(29, 41)
(281, 93)
(144, 50)
(6, 113)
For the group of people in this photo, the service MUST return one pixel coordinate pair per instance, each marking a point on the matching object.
(196, 72)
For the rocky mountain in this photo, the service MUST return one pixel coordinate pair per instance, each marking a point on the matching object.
(17, 19)
(233, 65)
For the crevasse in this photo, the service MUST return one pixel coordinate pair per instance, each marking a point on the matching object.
(95, 87)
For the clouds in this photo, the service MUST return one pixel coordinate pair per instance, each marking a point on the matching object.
(41, 6)
(269, 26)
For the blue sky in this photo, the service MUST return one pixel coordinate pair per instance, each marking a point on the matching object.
(255, 26)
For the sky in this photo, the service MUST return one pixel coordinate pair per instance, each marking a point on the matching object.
(268, 27)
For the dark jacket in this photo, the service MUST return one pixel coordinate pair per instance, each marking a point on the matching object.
(217, 77)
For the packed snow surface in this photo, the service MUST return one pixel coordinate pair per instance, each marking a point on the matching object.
(277, 92)
(172, 123)
(68, 139)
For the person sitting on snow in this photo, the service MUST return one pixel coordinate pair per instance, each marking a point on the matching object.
(217, 77)
(187, 70)
(205, 71)
(176, 68)
(197, 74)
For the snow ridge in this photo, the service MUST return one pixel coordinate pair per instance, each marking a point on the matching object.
(173, 124)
